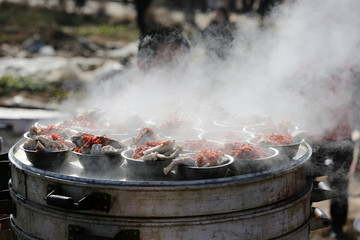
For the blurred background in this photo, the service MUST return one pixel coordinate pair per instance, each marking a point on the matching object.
(50, 50)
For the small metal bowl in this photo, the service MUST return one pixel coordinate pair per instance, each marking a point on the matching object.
(197, 173)
(220, 135)
(180, 133)
(142, 168)
(245, 166)
(121, 136)
(45, 159)
(261, 129)
(211, 144)
(95, 163)
(287, 151)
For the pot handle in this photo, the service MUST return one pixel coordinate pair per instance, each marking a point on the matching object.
(4, 171)
(319, 219)
(321, 191)
(318, 169)
(79, 233)
(96, 201)
(6, 204)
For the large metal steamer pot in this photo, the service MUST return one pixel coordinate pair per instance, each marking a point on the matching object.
(268, 222)
(271, 204)
(129, 198)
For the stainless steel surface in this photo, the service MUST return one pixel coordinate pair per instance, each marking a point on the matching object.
(269, 222)
(162, 198)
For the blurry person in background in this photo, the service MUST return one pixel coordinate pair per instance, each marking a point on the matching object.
(141, 7)
(211, 5)
(159, 48)
(163, 48)
(219, 35)
(247, 5)
(335, 143)
(265, 7)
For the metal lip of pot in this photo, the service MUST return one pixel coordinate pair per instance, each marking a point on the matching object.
(161, 197)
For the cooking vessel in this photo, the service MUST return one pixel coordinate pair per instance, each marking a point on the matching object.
(278, 220)
(136, 197)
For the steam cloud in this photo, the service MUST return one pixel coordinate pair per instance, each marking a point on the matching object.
(284, 71)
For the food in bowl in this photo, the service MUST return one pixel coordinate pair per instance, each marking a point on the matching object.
(149, 160)
(287, 145)
(159, 150)
(178, 127)
(270, 127)
(145, 135)
(205, 158)
(274, 139)
(87, 119)
(240, 150)
(87, 143)
(246, 162)
(45, 150)
(208, 158)
(97, 153)
(204, 165)
(195, 145)
(38, 129)
(47, 143)
(226, 136)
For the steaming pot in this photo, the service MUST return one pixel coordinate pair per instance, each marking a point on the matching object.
(66, 203)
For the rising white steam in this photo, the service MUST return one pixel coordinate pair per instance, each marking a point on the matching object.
(285, 70)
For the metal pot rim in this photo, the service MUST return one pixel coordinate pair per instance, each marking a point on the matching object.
(252, 177)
